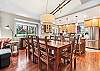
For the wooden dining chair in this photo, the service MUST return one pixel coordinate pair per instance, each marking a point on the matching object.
(36, 48)
(51, 37)
(77, 44)
(69, 55)
(29, 45)
(26, 45)
(82, 46)
(45, 57)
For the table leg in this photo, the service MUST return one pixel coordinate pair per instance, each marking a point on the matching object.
(17, 49)
(57, 61)
(75, 63)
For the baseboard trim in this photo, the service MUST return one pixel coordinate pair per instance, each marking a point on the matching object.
(93, 48)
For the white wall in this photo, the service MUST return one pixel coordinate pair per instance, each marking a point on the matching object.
(9, 19)
(83, 15)
(6, 19)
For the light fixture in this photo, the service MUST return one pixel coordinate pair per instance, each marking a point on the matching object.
(76, 21)
(47, 18)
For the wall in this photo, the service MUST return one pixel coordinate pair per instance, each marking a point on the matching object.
(6, 19)
(9, 19)
(81, 16)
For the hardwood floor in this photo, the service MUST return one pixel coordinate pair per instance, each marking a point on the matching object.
(21, 63)
(88, 62)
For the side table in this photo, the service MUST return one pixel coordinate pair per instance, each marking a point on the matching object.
(14, 47)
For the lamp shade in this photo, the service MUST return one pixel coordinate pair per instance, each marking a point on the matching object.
(47, 18)
(71, 28)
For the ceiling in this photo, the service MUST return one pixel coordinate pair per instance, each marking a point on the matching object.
(35, 8)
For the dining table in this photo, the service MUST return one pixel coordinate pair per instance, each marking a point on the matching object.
(57, 46)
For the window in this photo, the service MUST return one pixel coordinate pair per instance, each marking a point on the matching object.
(23, 29)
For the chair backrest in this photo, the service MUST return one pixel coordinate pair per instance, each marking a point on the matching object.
(77, 43)
(51, 37)
(83, 42)
(73, 48)
(37, 45)
(44, 51)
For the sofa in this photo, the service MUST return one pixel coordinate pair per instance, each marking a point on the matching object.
(4, 42)
(5, 57)
(5, 53)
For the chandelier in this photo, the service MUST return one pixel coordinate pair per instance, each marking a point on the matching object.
(47, 18)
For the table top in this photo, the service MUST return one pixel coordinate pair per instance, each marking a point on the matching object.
(57, 44)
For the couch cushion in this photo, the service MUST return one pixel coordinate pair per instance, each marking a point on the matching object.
(4, 51)
(5, 56)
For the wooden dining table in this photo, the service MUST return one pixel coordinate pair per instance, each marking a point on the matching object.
(58, 46)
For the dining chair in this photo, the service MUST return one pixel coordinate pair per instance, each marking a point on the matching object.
(28, 45)
(45, 57)
(77, 45)
(68, 56)
(36, 49)
(25, 40)
(82, 46)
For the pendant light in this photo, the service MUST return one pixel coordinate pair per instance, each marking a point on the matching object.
(47, 18)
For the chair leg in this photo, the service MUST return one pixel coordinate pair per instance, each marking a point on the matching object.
(71, 67)
(39, 64)
(47, 67)
(75, 63)
(33, 58)
(26, 52)
(71, 64)
(64, 61)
